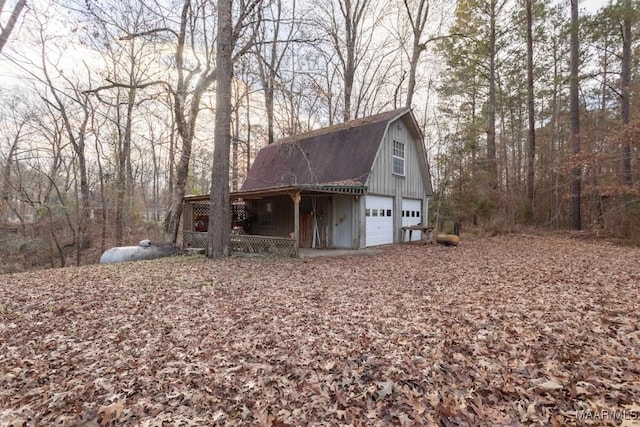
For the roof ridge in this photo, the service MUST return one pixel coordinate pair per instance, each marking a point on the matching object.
(342, 126)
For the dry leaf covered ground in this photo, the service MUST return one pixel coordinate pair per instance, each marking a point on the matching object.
(511, 330)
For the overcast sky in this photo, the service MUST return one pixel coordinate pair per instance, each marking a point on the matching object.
(593, 5)
(10, 74)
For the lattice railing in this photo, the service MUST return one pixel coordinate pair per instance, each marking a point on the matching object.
(245, 243)
(278, 246)
(194, 239)
(201, 208)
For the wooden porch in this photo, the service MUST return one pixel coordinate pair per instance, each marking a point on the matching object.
(260, 220)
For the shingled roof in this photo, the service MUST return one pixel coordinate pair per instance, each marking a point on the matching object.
(337, 155)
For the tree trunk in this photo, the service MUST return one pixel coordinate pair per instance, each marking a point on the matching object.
(418, 22)
(118, 228)
(124, 174)
(103, 202)
(219, 218)
(576, 172)
(491, 125)
(13, 18)
(84, 240)
(530, 104)
(268, 105)
(6, 176)
(556, 146)
(349, 70)
(248, 138)
(625, 79)
(235, 149)
(411, 86)
(353, 13)
(185, 118)
(270, 58)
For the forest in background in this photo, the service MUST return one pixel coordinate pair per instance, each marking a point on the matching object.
(107, 109)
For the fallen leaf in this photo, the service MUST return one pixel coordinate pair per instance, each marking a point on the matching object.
(385, 389)
(548, 385)
(504, 335)
(109, 413)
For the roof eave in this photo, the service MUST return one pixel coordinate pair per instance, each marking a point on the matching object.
(354, 189)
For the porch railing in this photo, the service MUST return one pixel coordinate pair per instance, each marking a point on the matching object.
(246, 243)
(278, 246)
(194, 239)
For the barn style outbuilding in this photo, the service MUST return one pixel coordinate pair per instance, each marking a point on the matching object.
(352, 185)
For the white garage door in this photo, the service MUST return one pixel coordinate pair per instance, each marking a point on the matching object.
(379, 220)
(412, 215)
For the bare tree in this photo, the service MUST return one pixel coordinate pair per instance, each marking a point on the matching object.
(74, 110)
(276, 34)
(219, 218)
(13, 130)
(228, 37)
(244, 97)
(324, 80)
(491, 103)
(418, 16)
(193, 63)
(625, 86)
(343, 21)
(201, 76)
(63, 95)
(54, 202)
(129, 65)
(530, 105)
(574, 111)
(373, 81)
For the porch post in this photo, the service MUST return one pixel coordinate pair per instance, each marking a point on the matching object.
(296, 221)
(187, 224)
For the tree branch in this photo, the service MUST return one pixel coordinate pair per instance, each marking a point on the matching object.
(423, 46)
(113, 85)
(148, 33)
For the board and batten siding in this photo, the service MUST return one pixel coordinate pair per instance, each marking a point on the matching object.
(383, 182)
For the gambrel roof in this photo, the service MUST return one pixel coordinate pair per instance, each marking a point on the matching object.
(340, 155)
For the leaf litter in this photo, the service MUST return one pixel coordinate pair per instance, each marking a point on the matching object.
(509, 330)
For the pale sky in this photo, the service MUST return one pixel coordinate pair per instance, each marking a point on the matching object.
(593, 5)
(9, 72)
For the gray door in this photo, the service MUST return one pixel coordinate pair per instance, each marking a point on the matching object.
(342, 222)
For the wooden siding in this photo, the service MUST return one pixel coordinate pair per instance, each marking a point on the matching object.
(344, 223)
(383, 182)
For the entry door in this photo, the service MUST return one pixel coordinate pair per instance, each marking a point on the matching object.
(306, 230)
(379, 220)
(342, 222)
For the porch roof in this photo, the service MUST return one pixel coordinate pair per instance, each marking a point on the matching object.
(305, 189)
